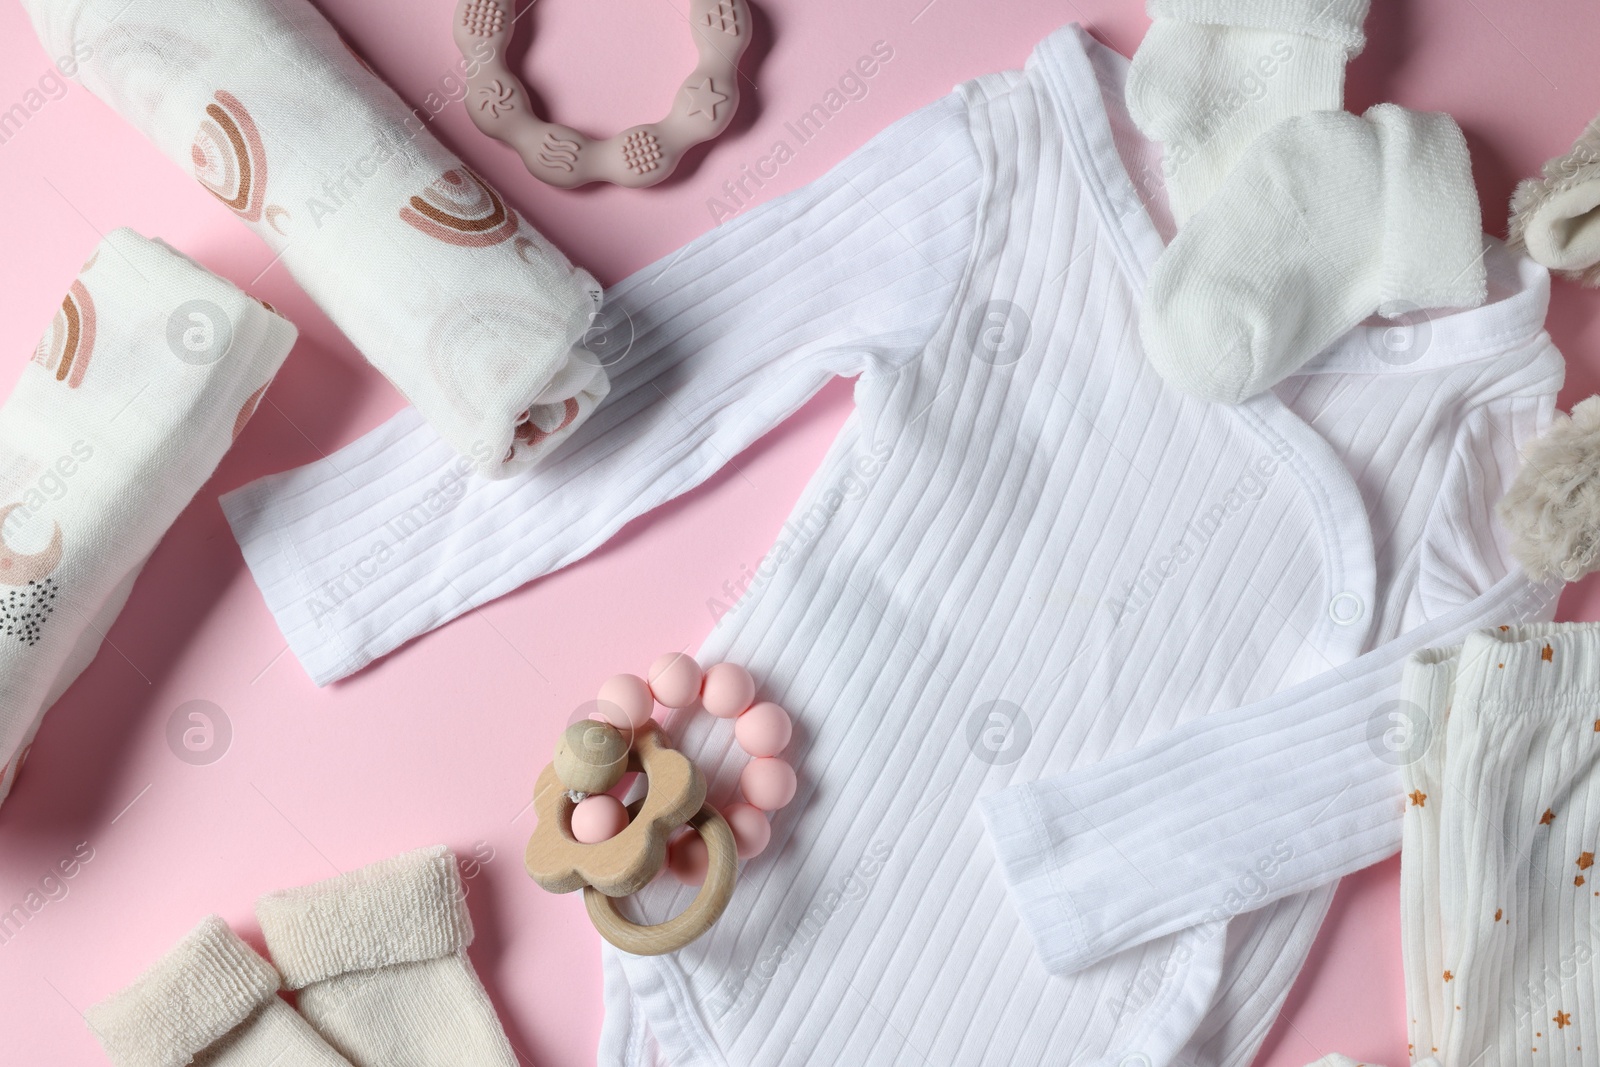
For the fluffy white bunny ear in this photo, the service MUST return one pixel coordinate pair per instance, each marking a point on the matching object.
(1553, 508)
(1555, 218)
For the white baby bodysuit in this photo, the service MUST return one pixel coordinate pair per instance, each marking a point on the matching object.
(1024, 559)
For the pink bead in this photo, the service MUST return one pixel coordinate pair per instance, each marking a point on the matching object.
(728, 690)
(688, 859)
(768, 783)
(751, 830)
(629, 695)
(764, 730)
(675, 680)
(598, 818)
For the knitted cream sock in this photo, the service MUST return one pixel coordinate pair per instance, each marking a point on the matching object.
(1213, 75)
(1328, 219)
(210, 1000)
(1556, 216)
(379, 957)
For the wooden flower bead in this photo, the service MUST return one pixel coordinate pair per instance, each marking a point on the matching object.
(591, 757)
(623, 864)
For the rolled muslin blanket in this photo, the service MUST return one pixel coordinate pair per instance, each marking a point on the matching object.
(1556, 216)
(149, 370)
(473, 315)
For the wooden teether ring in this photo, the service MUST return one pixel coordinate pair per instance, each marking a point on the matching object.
(627, 862)
(696, 919)
(637, 157)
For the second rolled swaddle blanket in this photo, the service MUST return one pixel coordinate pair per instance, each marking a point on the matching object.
(473, 315)
(149, 370)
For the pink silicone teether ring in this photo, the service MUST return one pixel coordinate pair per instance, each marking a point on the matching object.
(637, 157)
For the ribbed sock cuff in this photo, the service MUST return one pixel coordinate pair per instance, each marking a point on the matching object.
(1433, 244)
(1338, 21)
(204, 988)
(402, 910)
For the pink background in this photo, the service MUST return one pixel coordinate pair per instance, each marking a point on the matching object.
(441, 742)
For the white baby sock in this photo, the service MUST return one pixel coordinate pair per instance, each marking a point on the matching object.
(379, 956)
(210, 1000)
(1328, 219)
(148, 372)
(1213, 75)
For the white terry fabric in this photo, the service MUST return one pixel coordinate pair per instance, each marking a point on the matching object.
(210, 1000)
(1338, 21)
(467, 309)
(1211, 76)
(1020, 524)
(379, 958)
(149, 370)
(1327, 220)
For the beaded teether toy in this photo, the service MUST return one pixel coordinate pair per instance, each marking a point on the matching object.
(586, 839)
(638, 156)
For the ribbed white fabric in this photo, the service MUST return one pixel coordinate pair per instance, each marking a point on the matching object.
(379, 957)
(1211, 76)
(1519, 815)
(1500, 903)
(1418, 739)
(466, 308)
(210, 1000)
(1327, 220)
(1020, 524)
(149, 370)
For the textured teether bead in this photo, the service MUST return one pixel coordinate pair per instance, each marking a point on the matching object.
(630, 695)
(591, 757)
(764, 730)
(728, 690)
(751, 830)
(689, 859)
(675, 680)
(598, 818)
(768, 783)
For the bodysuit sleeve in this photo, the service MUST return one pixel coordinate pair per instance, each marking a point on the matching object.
(1230, 812)
(709, 349)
